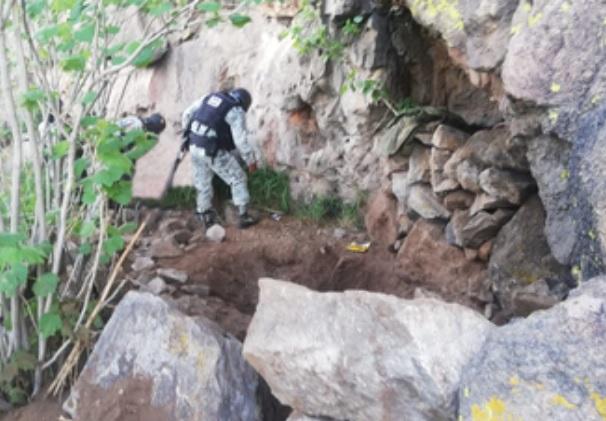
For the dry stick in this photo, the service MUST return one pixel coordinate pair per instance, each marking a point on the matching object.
(74, 355)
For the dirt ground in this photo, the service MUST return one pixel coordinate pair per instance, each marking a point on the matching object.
(227, 273)
(223, 277)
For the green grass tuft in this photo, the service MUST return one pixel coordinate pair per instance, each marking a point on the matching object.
(331, 209)
(270, 189)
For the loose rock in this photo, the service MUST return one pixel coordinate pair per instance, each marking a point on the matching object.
(216, 233)
(376, 358)
(423, 201)
(507, 185)
(546, 367)
(173, 275)
(152, 362)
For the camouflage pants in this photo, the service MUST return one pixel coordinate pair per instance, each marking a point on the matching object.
(226, 166)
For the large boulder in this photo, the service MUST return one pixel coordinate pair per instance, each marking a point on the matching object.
(427, 259)
(153, 362)
(362, 356)
(521, 256)
(564, 73)
(549, 366)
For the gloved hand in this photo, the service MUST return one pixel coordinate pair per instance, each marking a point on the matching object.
(252, 167)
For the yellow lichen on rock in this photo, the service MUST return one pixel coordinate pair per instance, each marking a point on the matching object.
(443, 8)
(493, 410)
(534, 19)
(560, 400)
(600, 404)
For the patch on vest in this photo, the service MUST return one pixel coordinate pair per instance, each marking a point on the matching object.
(214, 101)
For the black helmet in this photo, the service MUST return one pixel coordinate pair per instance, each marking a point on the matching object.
(243, 96)
(155, 123)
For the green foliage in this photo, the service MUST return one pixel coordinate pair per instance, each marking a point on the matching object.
(50, 323)
(13, 380)
(333, 209)
(270, 189)
(46, 284)
(309, 34)
(15, 258)
(31, 98)
(176, 198)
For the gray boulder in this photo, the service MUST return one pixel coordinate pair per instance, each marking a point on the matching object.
(153, 361)
(361, 356)
(521, 256)
(549, 366)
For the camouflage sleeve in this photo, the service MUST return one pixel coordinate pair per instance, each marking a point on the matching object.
(130, 123)
(236, 119)
(189, 112)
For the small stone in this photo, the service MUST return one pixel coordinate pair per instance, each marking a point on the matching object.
(173, 275)
(399, 186)
(459, 199)
(440, 181)
(423, 293)
(142, 263)
(156, 286)
(198, 289)
(183, 236)
(507, 185)
(468, 174)
(485, 250)
(449, 138)
(419, 168)
(470, 254)
(165, 247)
(484, 201)
(339, 233)
(216, 233)
(424, 202)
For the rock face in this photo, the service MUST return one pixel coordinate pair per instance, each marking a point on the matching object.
(376, 357)
(154, 363)
(428, 259)
(546, 367)
(521, 256)
(549, 159)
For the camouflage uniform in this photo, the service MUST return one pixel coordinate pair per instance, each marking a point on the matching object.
(225, 164)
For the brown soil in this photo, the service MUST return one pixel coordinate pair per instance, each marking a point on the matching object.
(42, 410)
(289, 249)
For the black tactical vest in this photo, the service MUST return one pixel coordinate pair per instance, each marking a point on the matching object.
(212, 114)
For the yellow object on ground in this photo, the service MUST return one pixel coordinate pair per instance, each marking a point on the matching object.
(358, 247)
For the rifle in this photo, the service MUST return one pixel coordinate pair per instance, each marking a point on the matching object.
(173, 170)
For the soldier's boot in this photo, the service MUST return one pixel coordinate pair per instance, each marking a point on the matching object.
(245, 220)
(208, 218)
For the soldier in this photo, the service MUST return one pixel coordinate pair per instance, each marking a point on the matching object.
(215, 125)
(154, 123)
